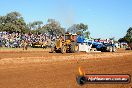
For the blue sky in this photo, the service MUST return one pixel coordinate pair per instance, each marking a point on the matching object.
(105, 18)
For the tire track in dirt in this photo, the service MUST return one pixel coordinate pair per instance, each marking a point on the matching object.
(61, 71)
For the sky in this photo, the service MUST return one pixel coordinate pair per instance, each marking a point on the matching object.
(105, 18)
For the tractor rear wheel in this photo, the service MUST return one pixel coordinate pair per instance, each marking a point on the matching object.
(76, 48)
(72, 49)
(113, 49)
(110, 49)
(63, 49)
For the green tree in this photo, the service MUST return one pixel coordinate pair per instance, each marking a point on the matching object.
(129, 32)
(13, 22)
(53, 27)
(128, 37)
(87, 34)
(73, 29)
(80, 29)
(35, 25)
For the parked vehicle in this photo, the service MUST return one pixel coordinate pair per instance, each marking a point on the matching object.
(106, 47)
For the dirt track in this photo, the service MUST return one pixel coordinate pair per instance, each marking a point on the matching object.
(41, 69)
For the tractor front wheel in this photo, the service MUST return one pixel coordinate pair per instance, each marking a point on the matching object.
(74, 48)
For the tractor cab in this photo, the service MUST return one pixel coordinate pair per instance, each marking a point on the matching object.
(70, 37)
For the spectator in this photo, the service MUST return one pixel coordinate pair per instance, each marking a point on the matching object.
(15, 39)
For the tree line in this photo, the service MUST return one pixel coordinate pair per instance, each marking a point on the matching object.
(128, 37)
(14, 22)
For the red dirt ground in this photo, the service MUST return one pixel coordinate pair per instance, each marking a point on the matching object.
(41, 69)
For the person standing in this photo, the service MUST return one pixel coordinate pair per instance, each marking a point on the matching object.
(25, 44)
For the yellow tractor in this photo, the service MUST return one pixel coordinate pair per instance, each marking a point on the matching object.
(66, 43)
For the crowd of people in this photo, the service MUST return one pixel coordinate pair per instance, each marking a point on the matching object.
(15, 40)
